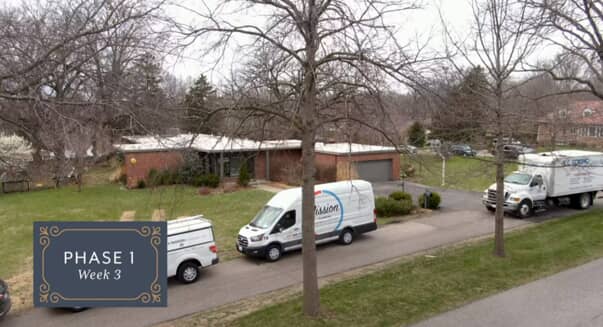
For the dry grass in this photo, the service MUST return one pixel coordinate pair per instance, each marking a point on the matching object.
(21, 289)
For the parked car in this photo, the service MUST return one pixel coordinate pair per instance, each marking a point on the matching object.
(513, 151)
(408, 149)
(343, 210)
(191, 245)
(548, 179)
(4, 299)
(433, 143)
(462, 150)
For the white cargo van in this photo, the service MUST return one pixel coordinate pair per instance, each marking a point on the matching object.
(190, 245)
(342, 210)
(551, 178)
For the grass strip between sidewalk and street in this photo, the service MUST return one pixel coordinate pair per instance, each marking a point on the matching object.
(415, 289)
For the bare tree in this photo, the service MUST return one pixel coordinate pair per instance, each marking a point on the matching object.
(66, 64)
(15, 152)
(503, 35)
(575, 28)
(319, 56)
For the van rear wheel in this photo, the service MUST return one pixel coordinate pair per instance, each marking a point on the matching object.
(188, 272)
(346, 237)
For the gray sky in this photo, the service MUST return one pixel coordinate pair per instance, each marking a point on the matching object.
(423, 23)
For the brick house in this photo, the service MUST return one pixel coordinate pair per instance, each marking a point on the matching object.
(579, 124)
(277, 160)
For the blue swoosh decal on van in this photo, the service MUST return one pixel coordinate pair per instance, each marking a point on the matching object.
(340, 205)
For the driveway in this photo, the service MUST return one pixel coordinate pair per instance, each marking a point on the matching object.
(241, 278)
(451, 199)
(570, 298)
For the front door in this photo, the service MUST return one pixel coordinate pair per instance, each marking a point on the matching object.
(537, 188)
(287, 231)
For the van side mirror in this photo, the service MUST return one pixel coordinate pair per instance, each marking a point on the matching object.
(277, 229)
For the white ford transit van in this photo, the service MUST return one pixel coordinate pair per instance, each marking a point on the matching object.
(190, 245)
(342, 210)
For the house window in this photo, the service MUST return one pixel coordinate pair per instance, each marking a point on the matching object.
(587, 112)
(232, 165)
(592, 131)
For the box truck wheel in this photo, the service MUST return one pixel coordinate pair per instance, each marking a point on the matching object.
(584, 201)
(188, 272)
(524, 210)
(273, 252)
(346, 237)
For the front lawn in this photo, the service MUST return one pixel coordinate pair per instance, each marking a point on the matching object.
(462, 173)
(414, 290)
(229, 212)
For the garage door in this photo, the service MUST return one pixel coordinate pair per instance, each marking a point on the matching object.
(375, 170)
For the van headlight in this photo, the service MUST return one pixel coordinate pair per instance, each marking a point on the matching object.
(257, 238)
(514, 199)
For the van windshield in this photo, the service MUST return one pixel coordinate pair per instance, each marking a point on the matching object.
(522, 179)
(266, 217)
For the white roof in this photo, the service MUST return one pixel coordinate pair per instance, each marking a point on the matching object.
(214, 143)
(202, 142)
(550, 157)
(354, 148)
(186, 224)
(287, 197)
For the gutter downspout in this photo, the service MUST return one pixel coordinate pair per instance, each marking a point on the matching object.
(267, 165)
(221, 165)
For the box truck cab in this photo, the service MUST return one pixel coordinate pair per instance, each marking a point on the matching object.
(342, 211)
(190, 246)
(551, 178)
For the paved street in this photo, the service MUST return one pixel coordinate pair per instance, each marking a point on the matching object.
(571, 298)
(241, 278)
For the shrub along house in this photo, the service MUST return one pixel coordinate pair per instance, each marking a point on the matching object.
(275, 160)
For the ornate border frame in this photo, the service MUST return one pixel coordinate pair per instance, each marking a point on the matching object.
(46, 235)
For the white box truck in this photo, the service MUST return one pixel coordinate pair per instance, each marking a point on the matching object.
(342, 210)
(548, 179)
(190, 245)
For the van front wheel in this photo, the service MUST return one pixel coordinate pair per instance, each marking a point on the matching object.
(346, 237)
(273, 252)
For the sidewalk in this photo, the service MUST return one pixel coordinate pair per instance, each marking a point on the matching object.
(570, 298)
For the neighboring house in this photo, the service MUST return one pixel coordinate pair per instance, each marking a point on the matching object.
(579, 124)
(276, 160)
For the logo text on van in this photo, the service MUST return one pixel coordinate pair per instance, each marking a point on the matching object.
(330, 208)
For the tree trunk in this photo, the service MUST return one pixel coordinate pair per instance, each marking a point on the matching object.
(499, 237)
(310, 275)
(308, 114)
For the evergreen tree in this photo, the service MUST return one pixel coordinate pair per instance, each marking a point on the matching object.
(460, 117)
(198, 102)
(416, 135)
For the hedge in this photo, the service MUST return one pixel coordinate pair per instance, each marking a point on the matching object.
(433, 203)
(399, 196)
(388, 207)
